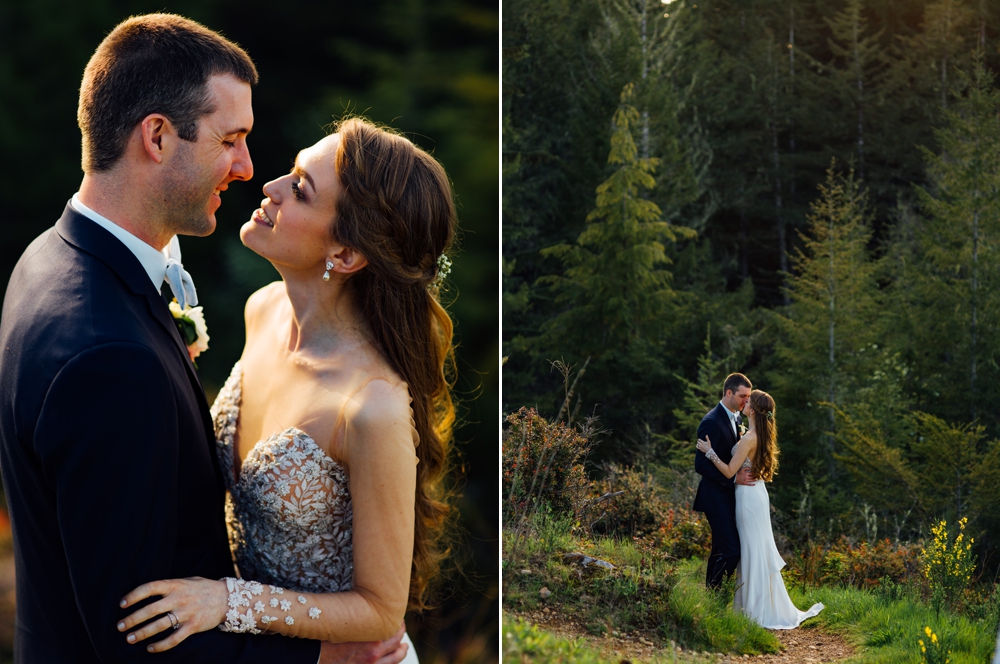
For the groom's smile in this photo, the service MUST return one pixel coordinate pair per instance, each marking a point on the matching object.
(219, 156)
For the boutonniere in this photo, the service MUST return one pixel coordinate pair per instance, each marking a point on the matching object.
(743, 428)
(191, 323)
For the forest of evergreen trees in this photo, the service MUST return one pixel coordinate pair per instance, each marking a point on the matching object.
(803, 191)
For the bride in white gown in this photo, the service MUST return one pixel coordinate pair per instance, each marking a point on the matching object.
(333, 429)
(760, 591)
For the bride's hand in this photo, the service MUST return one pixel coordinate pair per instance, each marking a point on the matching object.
(704, 445)
(197, 605)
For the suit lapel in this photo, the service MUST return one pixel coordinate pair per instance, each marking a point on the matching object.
(727, 424)
(91, 238)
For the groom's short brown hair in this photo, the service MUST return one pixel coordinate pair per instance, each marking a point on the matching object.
(155, 63)
(735, 381)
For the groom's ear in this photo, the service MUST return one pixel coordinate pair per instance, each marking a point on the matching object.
(157, 133)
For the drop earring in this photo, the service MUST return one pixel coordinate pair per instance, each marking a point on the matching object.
(326, 275)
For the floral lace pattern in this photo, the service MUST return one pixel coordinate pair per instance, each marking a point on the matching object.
(746, 462)
(288, 509)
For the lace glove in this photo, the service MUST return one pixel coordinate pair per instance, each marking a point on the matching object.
(249, 600)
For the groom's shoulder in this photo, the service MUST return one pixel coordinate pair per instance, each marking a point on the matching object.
(711, 413)
(61, 300)
(709, 417)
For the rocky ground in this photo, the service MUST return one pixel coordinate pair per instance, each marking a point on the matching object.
(805, 646)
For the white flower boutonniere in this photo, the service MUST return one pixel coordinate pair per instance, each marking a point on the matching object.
(191, 323)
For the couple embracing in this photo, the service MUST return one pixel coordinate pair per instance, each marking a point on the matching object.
(738, 512)
(318, 469)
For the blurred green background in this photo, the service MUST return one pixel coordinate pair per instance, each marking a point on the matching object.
(427, 68)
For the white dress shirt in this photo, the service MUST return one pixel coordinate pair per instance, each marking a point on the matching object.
(153, 262)
(732, 420)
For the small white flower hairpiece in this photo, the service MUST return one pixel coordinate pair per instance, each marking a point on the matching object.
(444, 269)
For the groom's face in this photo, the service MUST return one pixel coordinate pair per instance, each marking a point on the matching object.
(738, 399)
(201, 170)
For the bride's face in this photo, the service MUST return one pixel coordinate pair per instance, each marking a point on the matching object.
(747, 410)
(292, 225)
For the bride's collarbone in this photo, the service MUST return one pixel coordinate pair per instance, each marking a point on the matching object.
(268, 409)
(262, 421)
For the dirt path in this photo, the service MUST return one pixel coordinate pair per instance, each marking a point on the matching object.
(805, 646)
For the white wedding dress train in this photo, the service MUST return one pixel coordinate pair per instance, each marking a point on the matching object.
(760, 591)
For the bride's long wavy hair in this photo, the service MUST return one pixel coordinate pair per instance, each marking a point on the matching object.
(765, 461)
(397, 210)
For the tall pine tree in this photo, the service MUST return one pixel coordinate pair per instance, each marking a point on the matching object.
(829, 333)
(957, 282)
(860, 68)
(615, 292)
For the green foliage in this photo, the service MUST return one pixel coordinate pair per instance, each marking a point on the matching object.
(883, 475)
(524, 641)
(625, 336)
(542, 465)
(910, 475)
(890, 628)
(705, 620)
(702, 394)
(983, 606)
(959, 256)
(932, 650)
(644, 592)
(615, 291)
(948, 564)
(866, 301)
(635, 503)
(827, 351)
(634, 594)
(879, 564)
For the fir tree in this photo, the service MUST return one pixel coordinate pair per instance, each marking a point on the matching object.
(959, 245)
(916, 477)
(829, 332)
(639, 42)
(615, 292)
(701, 395)
(860, 67)
(943, 41)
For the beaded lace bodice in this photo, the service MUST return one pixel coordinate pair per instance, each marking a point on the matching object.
(288, 508)
(746, 462)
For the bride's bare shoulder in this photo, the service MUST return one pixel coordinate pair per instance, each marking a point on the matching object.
(380, 413)
(382, 398)
(261, 301)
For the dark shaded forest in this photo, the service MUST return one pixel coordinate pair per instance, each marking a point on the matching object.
(806, 192)
(426, 68)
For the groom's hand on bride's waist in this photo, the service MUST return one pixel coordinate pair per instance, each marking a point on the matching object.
(390, 651)
(746, 477)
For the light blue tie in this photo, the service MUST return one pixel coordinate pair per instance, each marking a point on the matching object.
(177, 277)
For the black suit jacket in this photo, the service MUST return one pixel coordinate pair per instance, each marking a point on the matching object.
(106, 449)
(716, 493)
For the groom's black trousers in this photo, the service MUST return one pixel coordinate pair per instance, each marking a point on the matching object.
(725, 555)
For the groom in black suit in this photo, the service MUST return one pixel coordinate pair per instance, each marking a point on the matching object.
(716, 495)
(106, 442)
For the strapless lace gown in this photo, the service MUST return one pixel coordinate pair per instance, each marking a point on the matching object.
(288, 507)
(760, 591)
